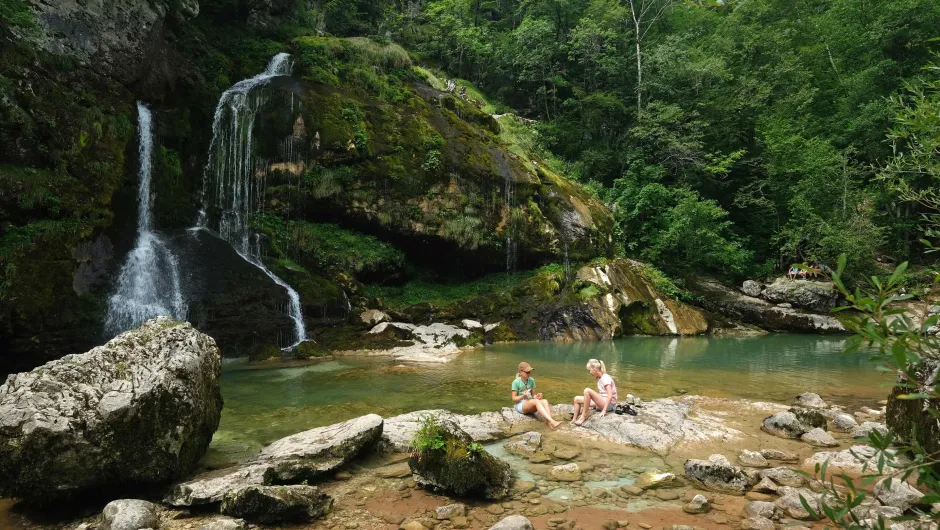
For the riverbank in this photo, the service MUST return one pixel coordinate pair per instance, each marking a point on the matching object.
(615, 457)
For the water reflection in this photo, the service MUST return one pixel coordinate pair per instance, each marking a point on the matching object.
(268, 402)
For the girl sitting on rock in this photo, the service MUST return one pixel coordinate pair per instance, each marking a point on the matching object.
(524, 401)
(604, 400)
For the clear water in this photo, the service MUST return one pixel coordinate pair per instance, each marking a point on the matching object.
(269, 401)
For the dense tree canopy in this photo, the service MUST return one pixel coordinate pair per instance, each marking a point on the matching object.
(768, 117)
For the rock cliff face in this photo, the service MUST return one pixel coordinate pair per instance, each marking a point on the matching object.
(821, 297)
(137, 412)
(122, 39)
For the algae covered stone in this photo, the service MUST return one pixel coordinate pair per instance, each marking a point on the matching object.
(717, 474)
(445, 457)
(138, 412)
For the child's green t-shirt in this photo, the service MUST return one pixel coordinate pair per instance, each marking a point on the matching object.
(519, 386)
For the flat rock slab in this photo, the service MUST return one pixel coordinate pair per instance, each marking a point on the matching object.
(139, 411)
(303, 456)
(309, 454)
(399, 430)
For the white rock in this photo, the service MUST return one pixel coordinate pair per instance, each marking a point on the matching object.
(819, 438)
(471, 324)
(757, 523)
(699, 504)
(789, 502)
(866, 428)
(752, 459)
(842, 422)
(566, 473)
(490, 327)
(513, 522)
(897, 493)
(751, 288)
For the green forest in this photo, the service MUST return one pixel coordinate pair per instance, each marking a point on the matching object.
(735, 137)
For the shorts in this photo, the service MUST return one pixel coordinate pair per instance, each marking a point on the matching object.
(519, 406)
(610, 406)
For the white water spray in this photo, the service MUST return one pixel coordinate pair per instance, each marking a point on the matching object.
(149, 283)
(231, 183)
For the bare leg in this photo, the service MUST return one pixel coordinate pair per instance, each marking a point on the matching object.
(546, 411)
(578, 402)
(590, 397)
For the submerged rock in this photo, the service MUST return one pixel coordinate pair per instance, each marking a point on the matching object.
(566, 473)
(277, 504)
(459, 466)
(130, 514)
(656, 479)
(717, 474)
(137, 412)
(777, 454)
(513, 522)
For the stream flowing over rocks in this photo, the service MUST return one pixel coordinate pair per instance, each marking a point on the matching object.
(137, 412)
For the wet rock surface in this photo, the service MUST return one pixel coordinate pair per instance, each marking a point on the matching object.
(276, 504)
(137, 412)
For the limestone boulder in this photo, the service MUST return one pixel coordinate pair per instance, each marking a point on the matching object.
(130, 514)
(717, 474)
(277, 504)
(821, 297)
(760, 509)
(791, 505)
(757, 523)
(135, 413)
(784, 476)
(784, 425)
(842, 422)
(373, 317)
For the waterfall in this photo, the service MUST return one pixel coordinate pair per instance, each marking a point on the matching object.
(509, 197)
(149, 282)
(231, 181)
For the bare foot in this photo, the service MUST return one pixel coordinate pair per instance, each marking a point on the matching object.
(580, 421)
(554, 424)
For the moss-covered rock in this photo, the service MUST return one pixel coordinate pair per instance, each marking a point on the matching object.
(445, 457)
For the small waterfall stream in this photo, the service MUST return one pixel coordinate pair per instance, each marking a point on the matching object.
(231, 183)
(149, 282)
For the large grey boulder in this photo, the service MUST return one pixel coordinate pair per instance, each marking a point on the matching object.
(821, 297)
(717, 474)
(277, 504)
(303, 456)
(842, 422)
(137, 412)
(513, 522)
(129, 514)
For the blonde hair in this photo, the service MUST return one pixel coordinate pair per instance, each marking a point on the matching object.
(594, 364)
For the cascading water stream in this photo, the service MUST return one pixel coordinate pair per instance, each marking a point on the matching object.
(230, 181)
(149, 283)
